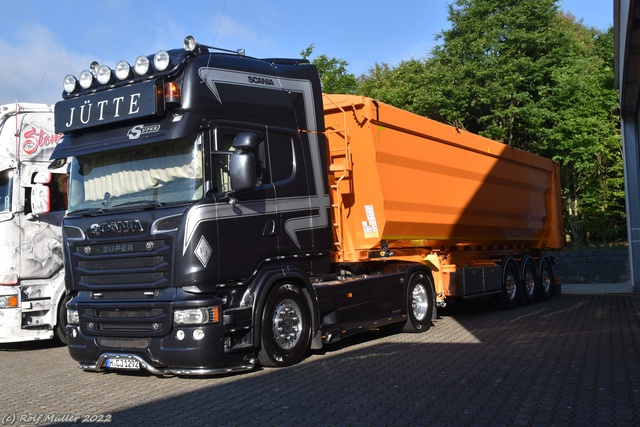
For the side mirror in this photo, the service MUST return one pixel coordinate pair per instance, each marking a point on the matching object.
(242, 171)
(41, 194)
(242, 167)
(40, 199)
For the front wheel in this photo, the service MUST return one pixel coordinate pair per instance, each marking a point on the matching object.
(419, 303)
(60, 330)
(286, 327)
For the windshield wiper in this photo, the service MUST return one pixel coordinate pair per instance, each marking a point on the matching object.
(87, 211)
(150, 203)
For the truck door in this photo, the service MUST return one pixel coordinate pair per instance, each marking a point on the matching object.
(288, 172)
(247, 230)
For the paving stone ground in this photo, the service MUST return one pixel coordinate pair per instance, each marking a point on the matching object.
(570, 361)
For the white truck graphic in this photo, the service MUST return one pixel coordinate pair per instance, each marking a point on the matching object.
(32, 203)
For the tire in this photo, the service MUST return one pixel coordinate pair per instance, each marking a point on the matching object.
(510, 288)
(529, 280)
(545, 280)
(285, 328)
(60, 330)
(419, 303)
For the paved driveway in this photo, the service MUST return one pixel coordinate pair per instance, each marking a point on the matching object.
(574, 360)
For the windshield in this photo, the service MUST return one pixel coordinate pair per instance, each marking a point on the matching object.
(146, 175)
(6, 177)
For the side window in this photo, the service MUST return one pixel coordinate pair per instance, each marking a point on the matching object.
(221, 152)
(6, 178)
(58, 191)
(281, 156)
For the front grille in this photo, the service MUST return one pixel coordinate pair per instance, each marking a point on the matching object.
(110, 264)
(118, 279)
(118, 265)
(116, 313)
(133, 321)
(128, 327)
(110, 342)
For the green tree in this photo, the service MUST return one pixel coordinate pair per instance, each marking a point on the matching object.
(334, 76)
(526, 74)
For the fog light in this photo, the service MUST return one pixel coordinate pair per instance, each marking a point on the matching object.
(180, 335)
(198, 334)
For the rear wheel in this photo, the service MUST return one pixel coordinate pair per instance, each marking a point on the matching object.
(529, 282)
(286, 327)
(419, 303)
(545, 284)
(510, 286)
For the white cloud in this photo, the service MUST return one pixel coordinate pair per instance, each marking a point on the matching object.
(33, 68)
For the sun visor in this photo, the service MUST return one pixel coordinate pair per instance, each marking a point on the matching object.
(171, 127)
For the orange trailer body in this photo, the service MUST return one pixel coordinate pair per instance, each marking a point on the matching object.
(420, 187)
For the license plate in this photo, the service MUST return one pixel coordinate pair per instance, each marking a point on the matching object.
(123, 363)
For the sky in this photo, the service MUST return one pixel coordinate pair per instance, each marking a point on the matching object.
(44, 40)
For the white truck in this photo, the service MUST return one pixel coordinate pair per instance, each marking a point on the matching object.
(33, 201)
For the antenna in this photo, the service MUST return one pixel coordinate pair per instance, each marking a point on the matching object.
(215, 36)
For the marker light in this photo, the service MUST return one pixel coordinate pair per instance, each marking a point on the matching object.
(104, 75)
(86, 78)
(123, 70)
(141, 67)
(70, 83)
(161, 60)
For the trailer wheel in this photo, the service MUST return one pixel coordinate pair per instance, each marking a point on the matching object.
(545, 288)
(510, 286)
(60, 330)
(529, 282)
(286, 327)
(419, 303)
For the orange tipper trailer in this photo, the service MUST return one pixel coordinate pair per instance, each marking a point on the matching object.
(407, 187)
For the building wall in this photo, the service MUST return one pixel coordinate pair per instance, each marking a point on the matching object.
(593, 266)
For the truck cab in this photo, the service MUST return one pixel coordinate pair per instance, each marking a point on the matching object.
(33, 201)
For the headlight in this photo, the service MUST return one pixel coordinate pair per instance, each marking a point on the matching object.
(196, 316)
(8, 301)
(73, 317)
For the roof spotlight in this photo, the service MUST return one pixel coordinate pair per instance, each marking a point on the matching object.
(123, 70)
(104, 75)
(141, 66)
